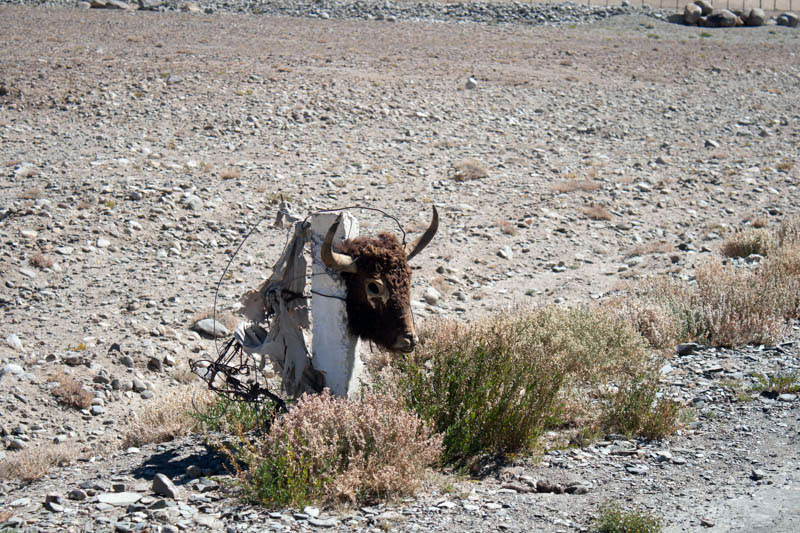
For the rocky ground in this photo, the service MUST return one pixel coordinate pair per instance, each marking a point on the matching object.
(139, 148)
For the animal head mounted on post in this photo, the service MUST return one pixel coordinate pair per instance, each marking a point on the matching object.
(378, 279)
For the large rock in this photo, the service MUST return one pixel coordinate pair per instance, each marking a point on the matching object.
(706, 6)
(756, 17)
(788, 19)
(692, 13)
(722, 18)
(211, 327)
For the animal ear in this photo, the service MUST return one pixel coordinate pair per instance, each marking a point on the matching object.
(333, 260)
(417, 246)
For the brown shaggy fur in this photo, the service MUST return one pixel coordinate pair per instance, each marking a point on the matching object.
(382, 255)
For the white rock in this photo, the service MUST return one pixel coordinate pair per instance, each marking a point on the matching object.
(14, 342)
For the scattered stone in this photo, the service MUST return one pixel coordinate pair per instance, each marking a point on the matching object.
(163, 486)
(119, 499)
(472, 83)
(692, 14)
(505, 252)
(14, 341)
(788, 19)
(210, 327)
(432, 296)
(756, 17)
(323, 522)
(757, 475)
(77, 495)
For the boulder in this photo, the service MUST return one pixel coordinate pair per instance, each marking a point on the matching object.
(756, 17)
(788, 19)
(722, 18)
(706, 6)
(692, 13)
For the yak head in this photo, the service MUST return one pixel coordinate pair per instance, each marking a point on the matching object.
(378, 280)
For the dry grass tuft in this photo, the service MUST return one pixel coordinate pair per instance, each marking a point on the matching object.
(35, 462)
(230, 174)
(469, 169)
(168, 416)
(39, 260)
(650, 248)
(506, 227)
(70, 392)
(750, 241)
(597, 212)
(31, 194)
(572, 185)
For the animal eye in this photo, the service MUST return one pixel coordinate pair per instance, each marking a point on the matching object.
(373, 288)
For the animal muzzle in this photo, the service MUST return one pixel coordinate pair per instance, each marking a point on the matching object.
(405, 342)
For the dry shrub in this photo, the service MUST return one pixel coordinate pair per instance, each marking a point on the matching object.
(230, 174)
(572, 185)
(39, 260)
(650, 248)
(5, 516)
(469, 169)
(597, 212)
(748, 242)
(36, 461)
(70, 392)
(506, 227)
(728, 306)
(168, 417)
(337, 450)
(653, 321)
(759, 222)
(31, 194)
(494, 386)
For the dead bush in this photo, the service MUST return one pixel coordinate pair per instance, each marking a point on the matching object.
(70, 392)
(39, 260)
(748, 242)
(572, 185)
(597, 212)
(469, 169)
(31, 194)
(336, 450)
(168, 416)
(506, 227)
(230, 174)
(36, 461)
(650, 248)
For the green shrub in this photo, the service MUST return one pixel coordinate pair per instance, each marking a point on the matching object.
(494, 386)
(612, 519)
(234, 417)
(635, 410)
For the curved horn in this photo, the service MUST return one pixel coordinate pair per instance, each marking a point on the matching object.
(416, 247)
(334, 260)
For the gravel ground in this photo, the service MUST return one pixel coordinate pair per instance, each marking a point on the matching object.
(139, 148)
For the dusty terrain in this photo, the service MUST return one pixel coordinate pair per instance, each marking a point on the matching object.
(137, 149)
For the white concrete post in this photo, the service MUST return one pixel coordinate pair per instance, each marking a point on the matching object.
(335, 351)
